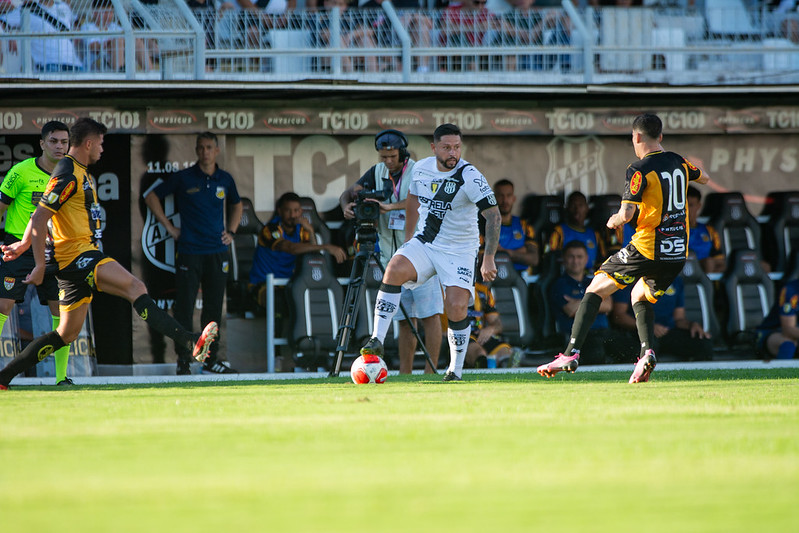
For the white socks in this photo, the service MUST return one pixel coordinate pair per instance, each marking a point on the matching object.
(458, 337)
(386, 305)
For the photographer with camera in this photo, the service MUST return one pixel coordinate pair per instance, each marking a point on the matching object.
(378, 198)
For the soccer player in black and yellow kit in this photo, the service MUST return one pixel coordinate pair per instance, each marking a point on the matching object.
(657, 187)
(70, 204)
(20, 193)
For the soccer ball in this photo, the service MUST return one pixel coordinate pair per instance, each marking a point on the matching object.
(368, 369)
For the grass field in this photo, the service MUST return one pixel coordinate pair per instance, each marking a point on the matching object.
(689, 451)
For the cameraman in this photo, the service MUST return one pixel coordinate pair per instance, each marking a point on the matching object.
(392, 176)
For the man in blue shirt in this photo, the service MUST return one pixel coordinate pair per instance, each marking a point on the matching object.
(674, 333)
(576, 228)
(778, 334)
(286, 236)
(565, 295)
(201, 193)
(516, 237)
(703, 240)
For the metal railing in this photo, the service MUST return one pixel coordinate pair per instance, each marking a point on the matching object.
(723, 43)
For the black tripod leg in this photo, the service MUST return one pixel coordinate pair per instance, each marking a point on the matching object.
(413, 328)
(352, 302)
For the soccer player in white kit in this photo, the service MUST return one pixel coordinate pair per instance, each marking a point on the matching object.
(442, 237)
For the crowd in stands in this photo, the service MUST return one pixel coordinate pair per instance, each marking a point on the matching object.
(244, 24)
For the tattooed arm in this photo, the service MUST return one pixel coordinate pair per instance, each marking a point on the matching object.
(493, 221)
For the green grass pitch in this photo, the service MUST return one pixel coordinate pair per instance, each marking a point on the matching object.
(710, 451)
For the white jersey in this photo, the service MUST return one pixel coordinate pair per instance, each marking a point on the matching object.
(448, 205)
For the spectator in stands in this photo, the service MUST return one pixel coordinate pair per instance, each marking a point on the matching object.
(465, 24)
(785, 18)
(526, 25)
(675, 335)
(486, 348)
(516, 236)
(355, 33)
(108, 53)
(418, 25)
(576, 228)
(49, 16)
(393, 175)
(6, 47)
(287, 235)
(565, 296)
(778, 334)
(703, 240)
(202, 193)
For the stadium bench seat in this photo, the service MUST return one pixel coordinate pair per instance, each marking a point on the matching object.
(312, 215)
(736, 226)
(241, 256)
(780, 230)
(543, 213)
(602, 206)
(510, 298)
(749, 295)
(315, 299)
(699, 298)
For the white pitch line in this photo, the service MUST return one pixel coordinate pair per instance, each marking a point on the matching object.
(215, 378)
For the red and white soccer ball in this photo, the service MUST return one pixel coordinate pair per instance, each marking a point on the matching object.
(368, 369)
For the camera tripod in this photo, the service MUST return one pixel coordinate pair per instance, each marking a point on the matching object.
(366, 237)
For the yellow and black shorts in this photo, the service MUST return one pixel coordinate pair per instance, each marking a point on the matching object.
(627, 265)
(493, 345)
(76, 281)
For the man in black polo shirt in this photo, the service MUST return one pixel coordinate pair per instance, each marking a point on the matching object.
(203, 238)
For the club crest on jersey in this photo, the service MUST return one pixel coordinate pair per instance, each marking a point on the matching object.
(220, 193)
(635, 182)
(434, 187)
(449, 188)
(8, 283)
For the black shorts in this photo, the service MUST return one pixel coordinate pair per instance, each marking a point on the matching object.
(76, 282)
(627, 265)
(492, 345)
(14, 273)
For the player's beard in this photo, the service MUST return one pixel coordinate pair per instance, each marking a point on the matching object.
(448, 163)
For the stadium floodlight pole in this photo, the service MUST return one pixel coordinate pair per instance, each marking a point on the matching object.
(352, 300)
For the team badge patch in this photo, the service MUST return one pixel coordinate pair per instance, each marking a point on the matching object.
(794, 301)
(434, 187)
(50, 186)
(67, 192)
(690, 165)
(220, 193)
(8, 283)
(635, 182)
(449, 188)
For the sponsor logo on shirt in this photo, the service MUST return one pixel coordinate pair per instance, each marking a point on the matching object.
(635, 182)
(67, 192)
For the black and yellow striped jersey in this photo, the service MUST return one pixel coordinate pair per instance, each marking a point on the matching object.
(658, 185)
(76, 226)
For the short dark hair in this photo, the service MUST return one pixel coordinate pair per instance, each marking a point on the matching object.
(286, 198)
(446, 129)
(693, 192)
(207, 135)
(53, 125)
(648, 124)
(83, 128)
(576, 194)
(504, 182)
(575, 244)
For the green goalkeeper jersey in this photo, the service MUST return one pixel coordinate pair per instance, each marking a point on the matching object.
(22, 189)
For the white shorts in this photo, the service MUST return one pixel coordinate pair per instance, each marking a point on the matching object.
(423, 301)
(454, 270)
